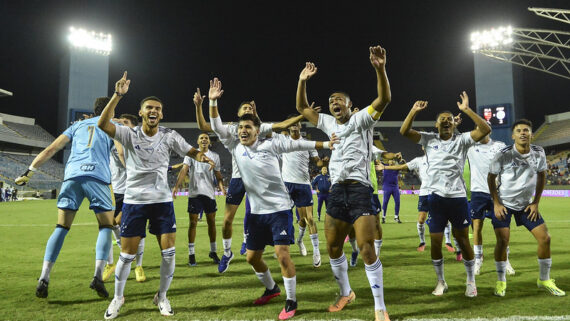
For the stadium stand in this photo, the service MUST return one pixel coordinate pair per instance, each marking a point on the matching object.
(30, 131)
(554, 131)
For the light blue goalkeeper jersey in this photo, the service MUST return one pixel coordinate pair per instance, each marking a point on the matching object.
(90, 148)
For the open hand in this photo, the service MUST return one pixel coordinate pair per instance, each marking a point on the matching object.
(309, 71)
(215, 89)
(377, 57)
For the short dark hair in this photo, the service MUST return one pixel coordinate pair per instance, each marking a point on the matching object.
(255, 120)
(100, 104)
(204, 132)
(522, 121)
(344, 93)
(151, 98)
(134, 119)
(443, 112)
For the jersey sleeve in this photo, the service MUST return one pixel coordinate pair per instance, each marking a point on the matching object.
(265, 129)
(282, 144)
(223, 131)
(326, 123)
(69, 131)
(467, 140)
(363, 119)
(425, 137)
(179, 144)
(123, 134)
(218, 165)
(377, 152)
(187, 161)
(313, 153)
(413, 165)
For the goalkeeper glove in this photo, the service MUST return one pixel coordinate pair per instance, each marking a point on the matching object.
(22, 180)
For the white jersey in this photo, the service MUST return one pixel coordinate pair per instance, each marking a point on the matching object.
(295, 168)
(200, 177)
(118, 172)
(517, 175)
(260, 168)
(377, 153)
(446, 160)
(147, 162)
(419, 165)
(352, 156)
(264, 130)
(480, 156)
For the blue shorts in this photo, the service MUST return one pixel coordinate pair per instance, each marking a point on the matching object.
(481, 206)
(444, 209)
(348, 202)
(236, 191)
(118, 203)
(301, 194)
(201, 203)
(376, 206)
(270, 229)
(521, 218)
(423, 204)
(160, 216)
(74, 190)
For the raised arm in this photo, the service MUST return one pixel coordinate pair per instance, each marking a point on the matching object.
(378, 61)
(179, 180)
(390, 155)
(482, 128)
(203, 125)
(406, 129)
(58, 144)
(399, 167)
(201, 157)
(303, 106)
(286, 123)
(214, 93)
(121, 88)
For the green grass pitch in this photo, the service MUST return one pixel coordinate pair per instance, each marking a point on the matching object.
(202, 293)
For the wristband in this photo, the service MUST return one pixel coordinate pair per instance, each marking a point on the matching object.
(120, 95)
(326, 145)
(214, 102)
(31, 168)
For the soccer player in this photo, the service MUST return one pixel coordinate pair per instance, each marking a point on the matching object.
(419, 165)
(201, 195)
(147, 151)
(521, 169)
(271, 219)
(391, 188)
(447, 201)
(480, 156)
(87, 175)
(118, 181)
(295, 173)
(236, 190)
(350, 198)
(322, 184)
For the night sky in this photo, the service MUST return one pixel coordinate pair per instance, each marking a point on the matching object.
(258, 48)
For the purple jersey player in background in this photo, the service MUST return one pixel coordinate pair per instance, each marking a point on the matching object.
(390, 188)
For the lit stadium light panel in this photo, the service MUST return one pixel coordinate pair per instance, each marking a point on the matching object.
(491, 39)
(97, 42)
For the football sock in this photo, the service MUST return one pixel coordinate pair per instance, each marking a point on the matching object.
(315, 242)
(266, 279)
(478, 249)
(438, 266)
(447, 233)
(54, 243)
(353, 244)
(140, 252)
(46, 270)
(469, 268)
(213, 247)
(191, 248)
(544, 268)
(340, 271)
(301, 234)
(166, 270)
(501, 270)
(122, 273)
(377, 246)
(421, 232)
(227, 243)
(374, 274)
(290, 287)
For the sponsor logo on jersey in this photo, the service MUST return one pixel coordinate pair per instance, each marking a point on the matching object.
(87, 167)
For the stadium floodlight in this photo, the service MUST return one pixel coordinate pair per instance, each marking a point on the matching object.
(493, 38)
(97, 42)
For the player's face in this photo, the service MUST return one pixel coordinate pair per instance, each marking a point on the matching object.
(339, 105)
(522, 134)
(203, 140)
(247, 132)
(151, 113)
(445, 124)
(324, 171)
(295, 130)
(245, 109)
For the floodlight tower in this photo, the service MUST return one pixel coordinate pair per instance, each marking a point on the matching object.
(84, 75)
(498, 88)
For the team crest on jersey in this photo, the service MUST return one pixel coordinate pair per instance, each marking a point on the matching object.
(436, 147)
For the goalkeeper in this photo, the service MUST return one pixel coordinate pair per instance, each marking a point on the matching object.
(87, 175)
